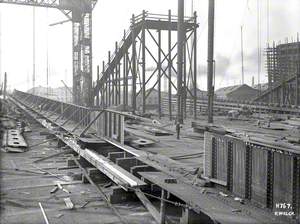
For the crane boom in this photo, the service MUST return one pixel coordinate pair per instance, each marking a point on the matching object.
(80, 13)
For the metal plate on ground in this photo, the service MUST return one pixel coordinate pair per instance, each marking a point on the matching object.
(13, 141)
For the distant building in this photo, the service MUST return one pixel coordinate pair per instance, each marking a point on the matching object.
(151, 101)
(262, 87)
(60, 93)
(201, 94)
(282, 62)
(237, 93)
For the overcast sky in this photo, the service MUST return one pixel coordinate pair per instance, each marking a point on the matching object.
(111, 17)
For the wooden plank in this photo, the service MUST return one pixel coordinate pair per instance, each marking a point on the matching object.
(69, 203)
(222, 158)
(210, 206)
(259, 176)
(153, 211)
(239, 168)
(207, 154)
(44, 213)
(53, 155)
(283, 179)
(111, 170)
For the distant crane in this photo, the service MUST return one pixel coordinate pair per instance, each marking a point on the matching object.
(79, 12)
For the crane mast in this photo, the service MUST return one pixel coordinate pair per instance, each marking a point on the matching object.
(79, 12)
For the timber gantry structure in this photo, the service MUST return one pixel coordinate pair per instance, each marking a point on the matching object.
(98, 128)
(144, 62)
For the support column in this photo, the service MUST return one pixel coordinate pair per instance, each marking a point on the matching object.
(133, 65)
(124, 74)
(180, 45)
(5, 86)
(195, 66)
(76, 61)
(163, 207)
(170, 65)
(297, 85)
(126, 79)
(109, 82)
(159, 74)
(210, 59)
(143, 65)
(184, 84)
(82, 57)
(103, 102)
(98, 77)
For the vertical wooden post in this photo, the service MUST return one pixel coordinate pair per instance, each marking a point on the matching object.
(180, 48)
(210, 59)
(195, 66)
(133, 64)
(170, 65)
(163, 207)
(159, 74)
(5, 86)
(144, 64)
(98, 77)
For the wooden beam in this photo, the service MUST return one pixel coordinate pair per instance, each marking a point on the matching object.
(153, 211)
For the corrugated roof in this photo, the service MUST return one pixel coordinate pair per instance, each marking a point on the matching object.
(223, 92)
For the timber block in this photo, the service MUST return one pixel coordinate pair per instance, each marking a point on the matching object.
(96, 175)
(71, 163)
(84, 163)
(155, 188)
(76, 176)
(112, 156)
(191, 217)
(127, 163)
(47, 134)
(141, 168)
(60, 143)
(119, 195)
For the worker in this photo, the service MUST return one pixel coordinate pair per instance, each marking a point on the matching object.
(269, 123)
(22, 126)
(258, 123)
(178, 126)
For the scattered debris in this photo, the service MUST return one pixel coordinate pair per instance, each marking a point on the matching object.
(156, 131)
(14, 166)
(142, 142)
(171, 181)
(69, 203)
(52, 156)
(239, 200)
(236, 210)
(85, 204)
(107, 185)
(15, 203)
(13, 141)
(203, 191)
(44, 214)
(223, 194)
(59, 215)
(62, 188)
(40, 143)
(54, 190)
